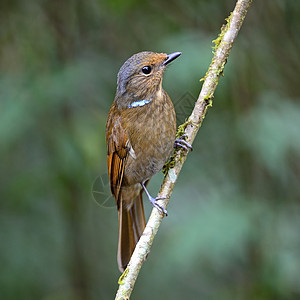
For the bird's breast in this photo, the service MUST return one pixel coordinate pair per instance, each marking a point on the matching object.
(151, 130)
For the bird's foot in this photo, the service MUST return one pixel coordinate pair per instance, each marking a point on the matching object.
(153, 201)
(180, 142)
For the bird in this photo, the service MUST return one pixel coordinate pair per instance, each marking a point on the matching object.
(140, 135)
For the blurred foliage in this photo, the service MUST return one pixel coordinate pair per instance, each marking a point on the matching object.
(233, 225)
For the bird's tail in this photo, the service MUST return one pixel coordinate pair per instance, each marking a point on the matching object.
(131, 227)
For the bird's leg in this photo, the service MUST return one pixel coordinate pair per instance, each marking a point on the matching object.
(153, 200)
(180, 142)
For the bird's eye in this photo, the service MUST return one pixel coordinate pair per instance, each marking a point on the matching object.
(146, 70)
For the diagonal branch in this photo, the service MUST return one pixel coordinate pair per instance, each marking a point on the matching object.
(223, 45)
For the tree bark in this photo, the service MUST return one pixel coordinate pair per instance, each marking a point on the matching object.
(223, 45)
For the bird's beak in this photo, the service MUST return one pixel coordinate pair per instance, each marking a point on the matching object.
(171, 57)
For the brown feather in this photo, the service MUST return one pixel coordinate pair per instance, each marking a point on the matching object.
(129, 200)
(117, 152)
(131, 227)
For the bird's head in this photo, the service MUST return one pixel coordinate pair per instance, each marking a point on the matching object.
(140, 77)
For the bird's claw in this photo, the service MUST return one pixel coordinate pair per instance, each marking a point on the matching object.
(153, 201)
(159, 207)
(180, 142)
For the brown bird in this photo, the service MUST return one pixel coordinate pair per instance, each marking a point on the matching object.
(140, 134)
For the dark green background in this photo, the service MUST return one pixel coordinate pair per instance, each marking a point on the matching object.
(233, 225)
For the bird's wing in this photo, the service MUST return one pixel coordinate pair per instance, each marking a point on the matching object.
(117, 152)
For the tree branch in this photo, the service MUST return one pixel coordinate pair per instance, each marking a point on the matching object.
(223, 45)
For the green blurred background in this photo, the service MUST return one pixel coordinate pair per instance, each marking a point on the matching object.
(233, 225)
